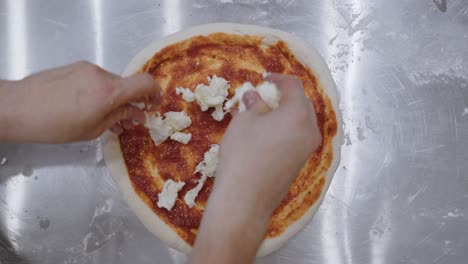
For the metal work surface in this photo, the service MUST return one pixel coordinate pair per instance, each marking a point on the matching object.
(400, 194)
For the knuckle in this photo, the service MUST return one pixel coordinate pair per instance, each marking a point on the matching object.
(92, 68)
(89, 68)
(82, 63)
(97, 77)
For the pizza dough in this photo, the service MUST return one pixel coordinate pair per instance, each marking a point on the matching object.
(303, 52)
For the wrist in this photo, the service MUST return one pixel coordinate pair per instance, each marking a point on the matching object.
(231, 230)
(241, 202)
(245, 196)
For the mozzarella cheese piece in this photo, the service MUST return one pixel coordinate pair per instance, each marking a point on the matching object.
(207, 168)
(180, 137)
(191, 195)
(187, 94)
(268, 91)
(177, 121)
(270, 94)
(210, 162)
(139, 105)
(168, 196)
(212, 95)
(218, 113)
(161, 129)
(237, 98)
(3, 161)
(158, 131)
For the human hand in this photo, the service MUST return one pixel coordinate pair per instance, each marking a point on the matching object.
(262, 150)
(72, 103)
(260, 155)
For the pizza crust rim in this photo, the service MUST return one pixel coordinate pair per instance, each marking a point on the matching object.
(305, 53)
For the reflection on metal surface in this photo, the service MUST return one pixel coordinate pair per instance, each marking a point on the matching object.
(330, 244)
(171, 11)
(97, 24)
(14, 194)
(17, 38)
(401, 67)
(441, 4)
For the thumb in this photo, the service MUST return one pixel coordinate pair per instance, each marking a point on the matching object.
(123, 113)
(253, 101)
(135, 87)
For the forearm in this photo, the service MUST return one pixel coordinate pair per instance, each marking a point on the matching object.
(231, 232)
(15, 124)
(7, 126)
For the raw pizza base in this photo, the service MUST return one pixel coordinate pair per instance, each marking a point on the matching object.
(303, 52)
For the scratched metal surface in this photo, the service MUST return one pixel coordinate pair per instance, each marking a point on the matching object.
(399, 196)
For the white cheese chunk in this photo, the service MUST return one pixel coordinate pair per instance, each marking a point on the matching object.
(191, 195)
(218, 113)
(212, 95)
(270, 94)
(237, 98)
(207, 168)
(139, 105)
(158, 131)
(210, 162)
(187, 94)
(3, 161)
(180, 137)
(168, 196)
(267, 91)
(177, 121)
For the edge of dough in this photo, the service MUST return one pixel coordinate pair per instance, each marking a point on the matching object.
(305, 53)
(116, 165)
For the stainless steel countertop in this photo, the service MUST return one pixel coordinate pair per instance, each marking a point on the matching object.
(399, 196)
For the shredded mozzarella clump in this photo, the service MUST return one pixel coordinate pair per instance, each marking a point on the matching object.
(168, 196)
(161, 129)
(180, 137)
(212, 95)
(207, 168)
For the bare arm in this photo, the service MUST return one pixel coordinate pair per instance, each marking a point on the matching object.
(70, 103)
(231, 230)
(261, 154)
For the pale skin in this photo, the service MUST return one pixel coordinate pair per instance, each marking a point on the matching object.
(260, 155)
(80, 101)
(71, 103)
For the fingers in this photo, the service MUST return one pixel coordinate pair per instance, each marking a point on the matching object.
(58, 72)
(135, 88)
(124, 117)
(116, 128)
(290, 87)
(254, 102)
(234, 112)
